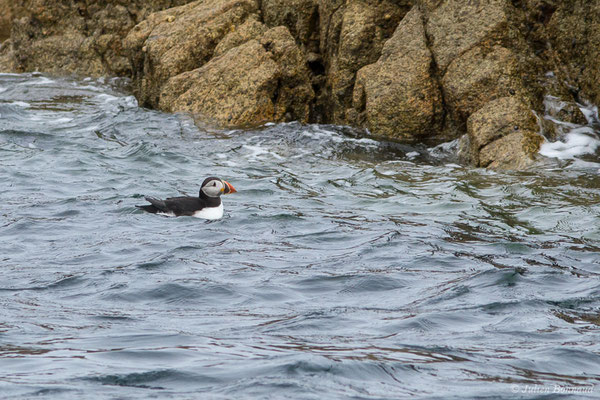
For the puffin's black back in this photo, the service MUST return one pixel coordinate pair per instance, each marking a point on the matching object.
(183, 205)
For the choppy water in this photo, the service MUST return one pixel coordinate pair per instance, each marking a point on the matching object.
(343, 268)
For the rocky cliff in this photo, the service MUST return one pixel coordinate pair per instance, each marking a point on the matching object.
(410, 70)
(73, 36)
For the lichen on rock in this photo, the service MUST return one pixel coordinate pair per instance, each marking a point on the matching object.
(417, 70)
(299, 16)
(180, 39)
(250, 29)
(457, 26)
(83, 37)
(572, 31)
(397, 97)
(5, 19)
(480, 75)
(354, 38)
(260, 81)
(504, 134)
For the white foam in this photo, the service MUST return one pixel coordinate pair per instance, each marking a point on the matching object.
(166, 214)
(130, 101)
(42, 80)
(590, 113)
(107, 98)
(319, 133)
(579, 141)
(117, 103)
(576, 140)
(3, 89)
(259, 151)
(554, 105)
(92, 128)
(20, 104)
(62, 120)
(89, 87)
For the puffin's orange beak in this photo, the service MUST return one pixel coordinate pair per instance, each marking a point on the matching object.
(230, 189)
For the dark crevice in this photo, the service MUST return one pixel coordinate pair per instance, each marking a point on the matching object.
(276, 92)
(535, 21)
(259, 5)
(83, 12)
(316, 67)
(267, 45)
(330, 47)
(362, 102)
(436, 74)
(313, 42)
(289, 21)
(546, 13)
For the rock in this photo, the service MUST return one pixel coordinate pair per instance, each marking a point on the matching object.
(105, 33)
(397, 97)
(251, 29)
(404, 69)
(7, 58)
(260, 81)
(479, 76)
(6, 17)
(503, 134)
(456, 26)
(563, 111)
(301, 17)
(49, 38)
(573, 31)
(507, 153)
(492, 77)
(70, 36)
(428, 6)
(59, 53)
(180, 39)
(358, 41)
(560, 117)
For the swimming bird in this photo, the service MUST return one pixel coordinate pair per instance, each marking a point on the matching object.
(207, 205)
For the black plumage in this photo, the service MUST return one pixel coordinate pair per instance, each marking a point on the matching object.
(188, 205)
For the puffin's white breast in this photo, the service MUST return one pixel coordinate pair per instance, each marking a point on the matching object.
(210, 212)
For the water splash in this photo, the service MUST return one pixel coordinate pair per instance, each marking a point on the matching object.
(574, 140)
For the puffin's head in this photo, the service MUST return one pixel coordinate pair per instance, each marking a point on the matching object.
(214, 187)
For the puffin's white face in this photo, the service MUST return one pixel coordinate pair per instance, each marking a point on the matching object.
(213, 188)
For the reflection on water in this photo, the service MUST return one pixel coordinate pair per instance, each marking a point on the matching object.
(344, 267)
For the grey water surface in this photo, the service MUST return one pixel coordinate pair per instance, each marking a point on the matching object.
(343, 267)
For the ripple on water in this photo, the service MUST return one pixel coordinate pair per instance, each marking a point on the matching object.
(150, 379)
(344, 267)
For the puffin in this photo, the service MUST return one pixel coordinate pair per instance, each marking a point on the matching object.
(207, 205)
